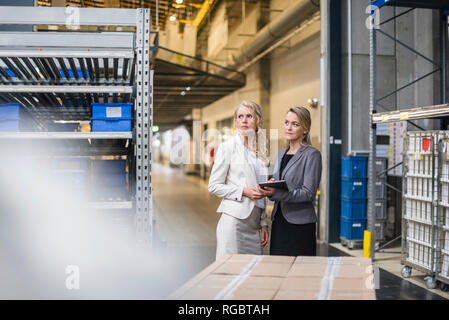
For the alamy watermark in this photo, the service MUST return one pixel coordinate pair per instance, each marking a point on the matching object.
(72, 282)
(373, 20)
(72, 17)
(373, 280)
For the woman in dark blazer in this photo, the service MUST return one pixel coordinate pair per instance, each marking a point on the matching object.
(294, 218)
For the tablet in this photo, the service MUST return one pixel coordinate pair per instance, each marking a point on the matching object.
(281, 184)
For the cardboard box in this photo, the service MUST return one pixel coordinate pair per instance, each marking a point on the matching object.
(264, 269)
(302, 284)
(307, 270)
(250, 277)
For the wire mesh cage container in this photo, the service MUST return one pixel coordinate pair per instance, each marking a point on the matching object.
(420, 205)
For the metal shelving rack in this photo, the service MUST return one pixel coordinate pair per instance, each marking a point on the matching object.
(437, 111)
(115, 67)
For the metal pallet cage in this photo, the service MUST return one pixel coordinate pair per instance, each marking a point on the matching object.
(419, 210)
(426, 206)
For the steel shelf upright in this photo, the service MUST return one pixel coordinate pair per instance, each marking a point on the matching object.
(57, 75)
(439, 111)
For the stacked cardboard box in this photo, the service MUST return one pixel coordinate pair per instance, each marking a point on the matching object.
(250, 277)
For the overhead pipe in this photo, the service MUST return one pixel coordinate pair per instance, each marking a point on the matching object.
(290, 18)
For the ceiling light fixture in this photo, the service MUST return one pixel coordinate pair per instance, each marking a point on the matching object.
(179, 1)
(172, 18)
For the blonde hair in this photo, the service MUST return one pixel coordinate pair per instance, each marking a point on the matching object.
(305, 120)
(260, 138)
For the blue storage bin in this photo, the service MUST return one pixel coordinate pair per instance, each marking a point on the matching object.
(353, 208)
(354, 188)
(111, 117)
(110, 125)
(113, 111)
(10, 111)
(14, 117)
(10, 126)
(352, 229)
(16, 125)
(354, 167)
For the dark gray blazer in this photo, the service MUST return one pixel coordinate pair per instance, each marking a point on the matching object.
(302, 175)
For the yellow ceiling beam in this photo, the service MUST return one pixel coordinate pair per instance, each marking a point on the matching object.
(195, 5)
(203, 12)
(185, 21)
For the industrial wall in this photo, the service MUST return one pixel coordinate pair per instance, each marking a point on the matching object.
(288, 76)
(396, 67)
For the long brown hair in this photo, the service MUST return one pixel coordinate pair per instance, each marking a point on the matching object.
(305, 120)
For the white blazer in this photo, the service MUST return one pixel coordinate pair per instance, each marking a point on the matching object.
(231, 173)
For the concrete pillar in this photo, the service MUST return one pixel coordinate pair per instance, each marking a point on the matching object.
(190, 36)
(324, 64)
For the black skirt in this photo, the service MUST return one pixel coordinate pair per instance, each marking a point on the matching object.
(289, 239)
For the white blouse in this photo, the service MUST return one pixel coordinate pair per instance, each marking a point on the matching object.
(261, 172)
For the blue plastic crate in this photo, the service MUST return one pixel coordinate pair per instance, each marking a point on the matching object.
(113, 111)
(111, 125)
(354, 188)
(352, 229)
(354, 167)
(10, 126)
(14, 117)
(353, 209)
(15, 125)
(12, 111)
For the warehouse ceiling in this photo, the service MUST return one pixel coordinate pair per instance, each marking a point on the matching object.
(181, 82)
(185, 10)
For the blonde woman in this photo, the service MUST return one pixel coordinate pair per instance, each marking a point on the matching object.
(240, 165)
(293, 231)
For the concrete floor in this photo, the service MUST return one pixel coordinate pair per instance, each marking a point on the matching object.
(186, 220)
